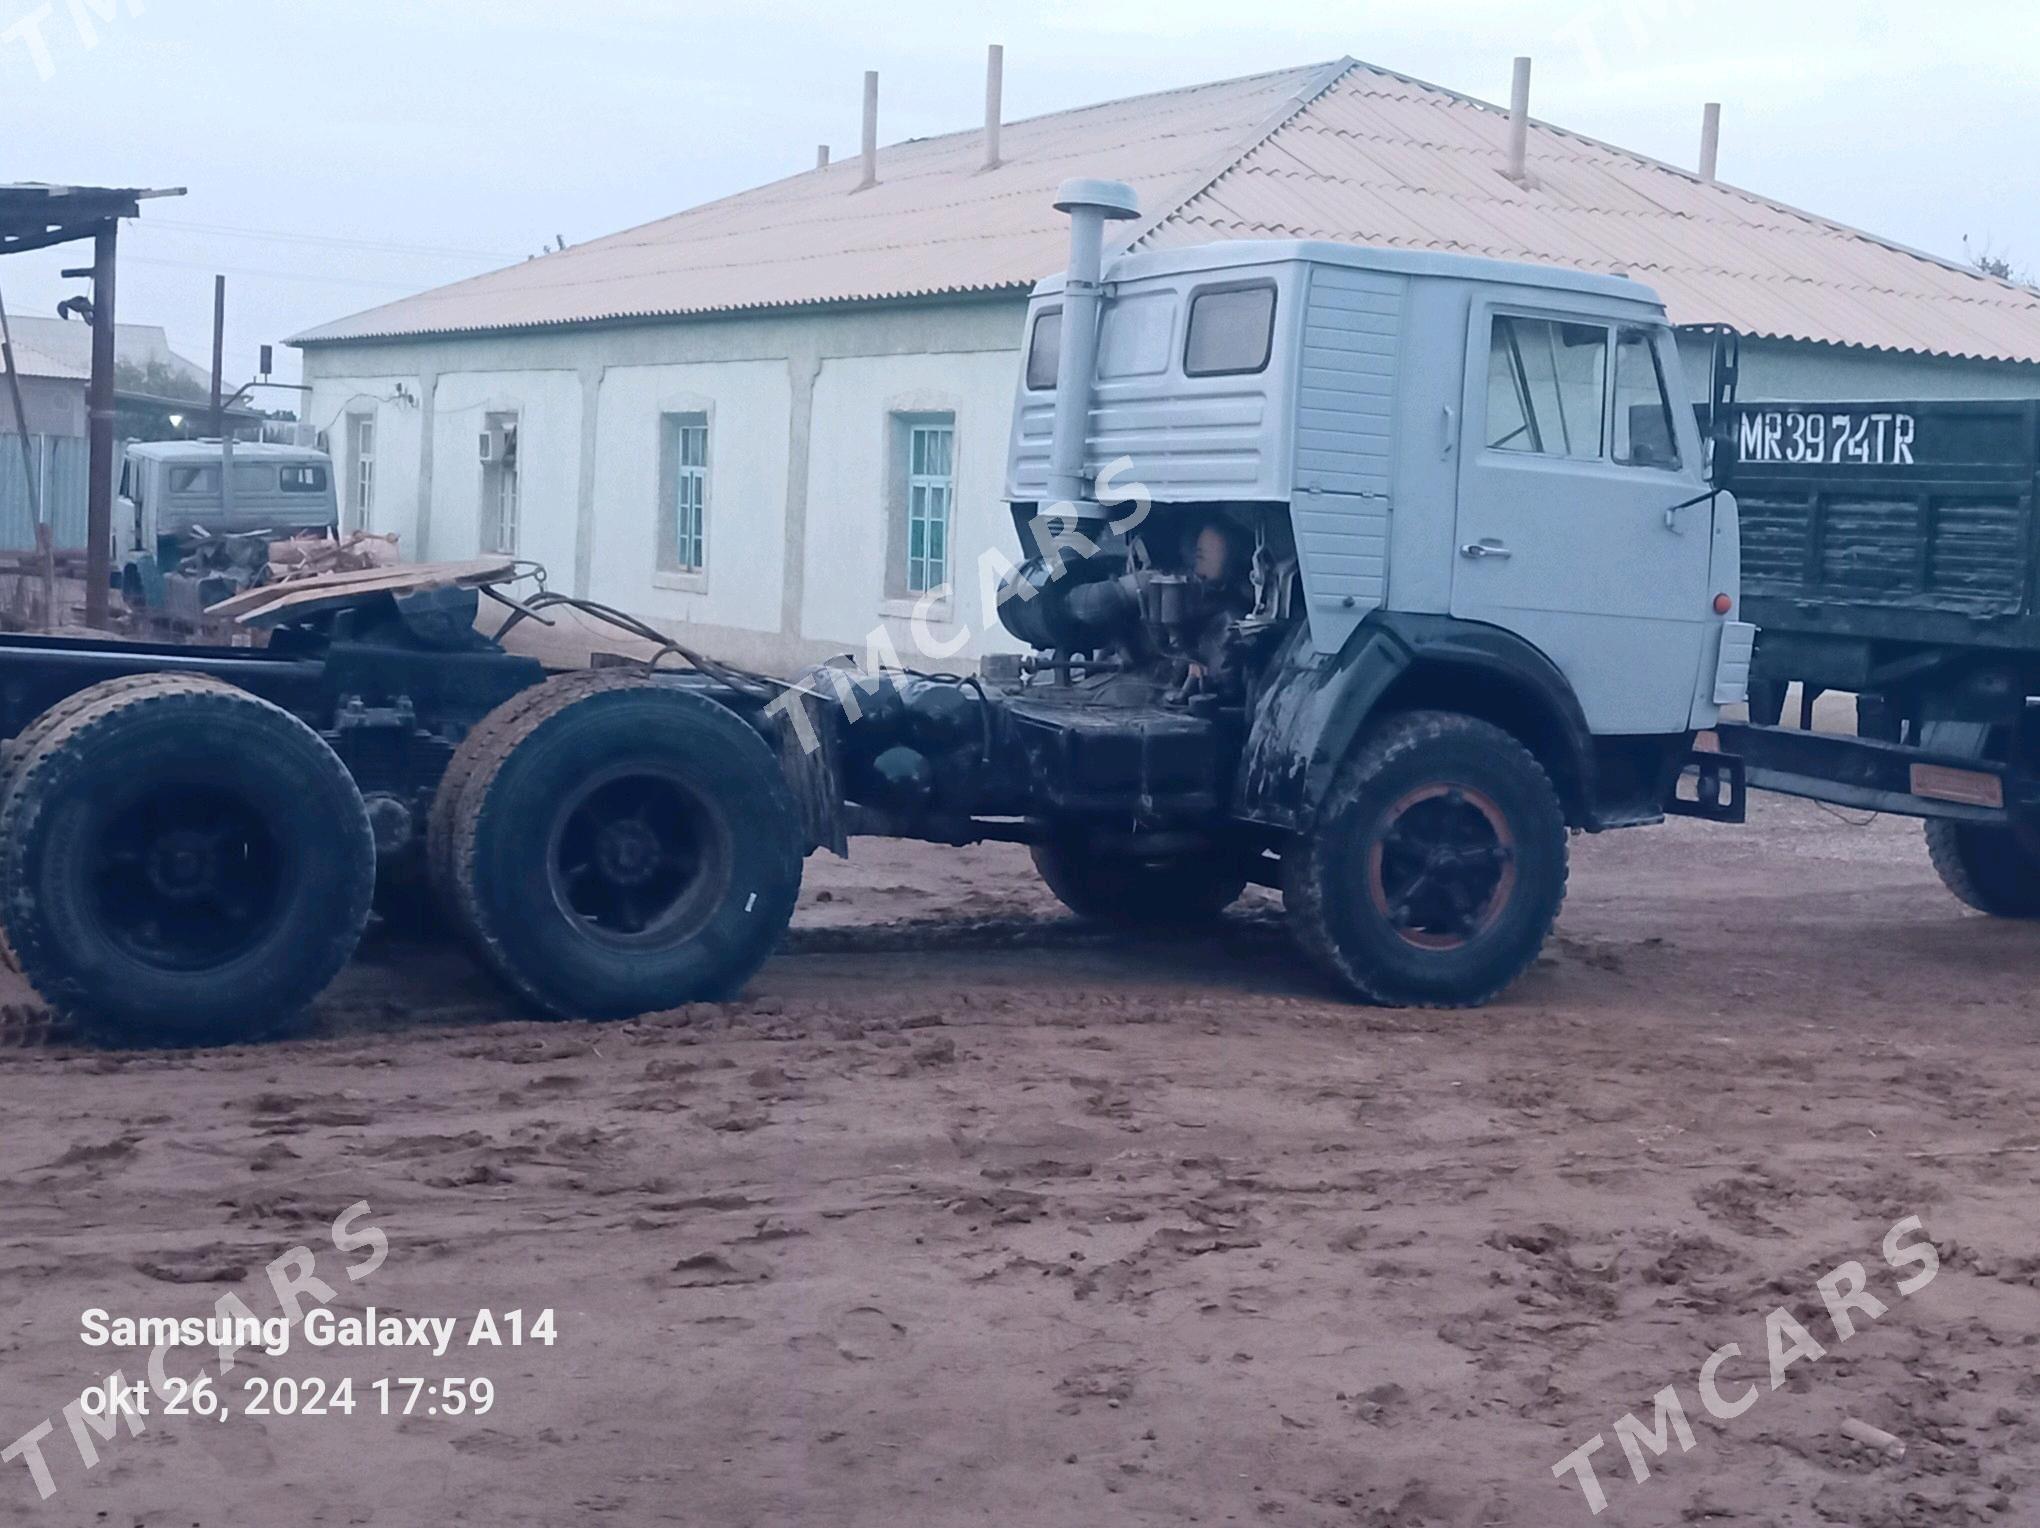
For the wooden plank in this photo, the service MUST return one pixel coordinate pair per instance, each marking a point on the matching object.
(307, 596)
(336, 591)
(420, 575)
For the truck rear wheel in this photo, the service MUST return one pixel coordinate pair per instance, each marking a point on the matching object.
(1436, 866)
(625, 847)
(180, 861)
(1132, 892)
(1994, 870)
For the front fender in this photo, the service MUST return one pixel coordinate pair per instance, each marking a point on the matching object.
(1305, 715)
(1311, 708)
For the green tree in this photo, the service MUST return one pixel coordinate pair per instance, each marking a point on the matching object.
(158, 381)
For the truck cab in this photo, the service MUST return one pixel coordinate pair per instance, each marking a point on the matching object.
(1363, 574)
(178, 496)
(1504, 447)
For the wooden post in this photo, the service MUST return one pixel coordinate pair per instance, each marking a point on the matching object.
(99, 400)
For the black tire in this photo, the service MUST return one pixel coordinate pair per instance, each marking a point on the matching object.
(26, 740)
(1994, 870)
(483, 742)
(1436, 866)
(180, 861)
(625, 847)
(1129, 892)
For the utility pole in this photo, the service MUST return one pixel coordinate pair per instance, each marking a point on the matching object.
(99, 501)
(219, 413)
(219, 350)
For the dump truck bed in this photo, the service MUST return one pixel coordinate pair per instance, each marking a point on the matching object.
(1889, 524)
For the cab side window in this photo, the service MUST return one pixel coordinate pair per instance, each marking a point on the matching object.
(1547, 387)
(1231, 331)
(1644, 433)
(1044, 351)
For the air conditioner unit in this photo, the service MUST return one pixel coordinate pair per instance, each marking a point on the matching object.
(499, 444)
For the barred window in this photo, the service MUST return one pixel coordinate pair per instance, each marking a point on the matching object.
(931, 488)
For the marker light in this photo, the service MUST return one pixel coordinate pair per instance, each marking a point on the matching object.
(1723, 604)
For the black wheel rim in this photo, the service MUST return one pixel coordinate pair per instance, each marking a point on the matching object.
(1441, 866)
(187, 878)
(635, 856)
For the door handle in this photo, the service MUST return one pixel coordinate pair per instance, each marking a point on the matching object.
(1483, 549)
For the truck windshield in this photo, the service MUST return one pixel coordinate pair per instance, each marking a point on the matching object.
(205, 481)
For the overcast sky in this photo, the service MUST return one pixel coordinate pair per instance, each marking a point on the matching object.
(341, 153)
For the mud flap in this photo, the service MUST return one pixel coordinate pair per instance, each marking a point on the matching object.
(809, 756)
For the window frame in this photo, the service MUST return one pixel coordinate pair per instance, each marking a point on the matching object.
(505, 472)
(1525, 402)
(1653, 341)
(1033, 344)
(911, 425)
(672, 568)
(1220, 289)
(361, 469)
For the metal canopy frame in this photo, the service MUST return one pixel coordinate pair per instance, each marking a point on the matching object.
(37, 216)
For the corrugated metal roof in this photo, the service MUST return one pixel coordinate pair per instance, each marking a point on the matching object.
(1339, 151)
(33, 362)
(936, 222)
(139, 345)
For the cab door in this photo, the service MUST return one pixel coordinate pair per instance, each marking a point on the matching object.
(1573, 459)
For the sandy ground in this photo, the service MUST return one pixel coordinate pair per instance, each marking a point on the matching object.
(970, 1214)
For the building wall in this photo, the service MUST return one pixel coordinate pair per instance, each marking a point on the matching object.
(1781, 370)
(339, 399)
(748, 406)
(547, 404)
(801, 409)
(855, 517)
(54, 405)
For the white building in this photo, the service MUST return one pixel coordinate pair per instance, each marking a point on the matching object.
(778, 420)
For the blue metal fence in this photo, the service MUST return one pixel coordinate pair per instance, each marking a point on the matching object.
(62, 475)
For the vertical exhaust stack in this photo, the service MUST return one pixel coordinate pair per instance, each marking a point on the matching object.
(1519, 122)
(995, 89)
(1710, 139)
(821, 156)
(870, 130)
(1091, 204)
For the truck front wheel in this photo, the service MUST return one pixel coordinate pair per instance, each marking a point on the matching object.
(1436, 866)
(1994, 870)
